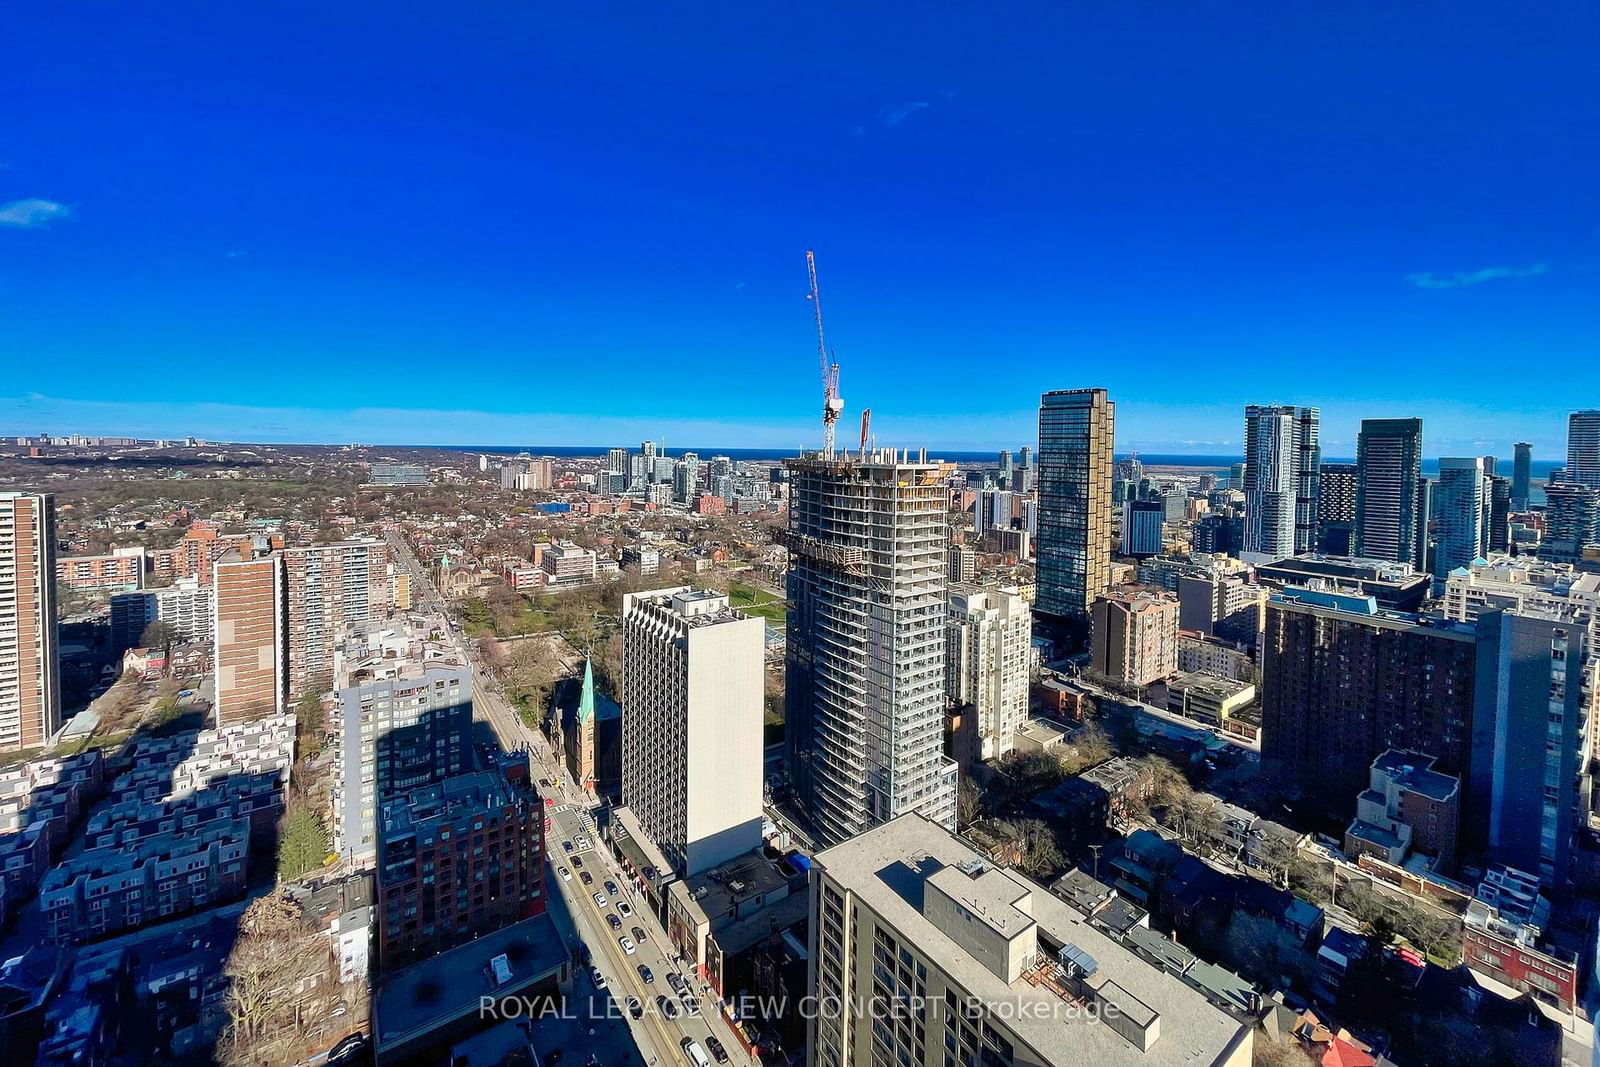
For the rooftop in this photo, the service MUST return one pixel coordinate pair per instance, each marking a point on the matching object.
(891, 870)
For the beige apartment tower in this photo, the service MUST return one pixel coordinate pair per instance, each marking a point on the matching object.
(1135, 636)
(248, 629)
(30, 665)
(989, 638)
(692, 724)
(329, 587)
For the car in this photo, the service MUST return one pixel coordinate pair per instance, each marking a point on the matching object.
(638, 934)
(567, 845)
(645, 974)
(588, 879)
(624, 907)
(348, 1049)
(667, 1007)
(627, 945)
(577, 861)
(718, 1053)
(636, 1009)
(675, 980)
(691, 1005)
(611, 887)
(613, 922)
(566, 875)
(599, 900)
(696, 1054)
(599, 979)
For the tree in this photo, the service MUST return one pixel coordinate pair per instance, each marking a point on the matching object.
(303, 842)
(1041, 856)
(277, 957)
(310, 717)
(493, 654)
(1089, 747)
(969, 801)
(1278, 1050)
(158, 634)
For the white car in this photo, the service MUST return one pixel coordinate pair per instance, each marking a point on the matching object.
(599, 900)
(623, 909)
(566, 875)
(599, 979)
(627, 944)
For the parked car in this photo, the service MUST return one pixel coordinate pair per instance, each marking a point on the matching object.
(613, 922)
(636, 1010)
(599, 979)
(718, 1053)
(638, 934)
(627, 945)
(566, 875)
(644, 975)
(667, 1007)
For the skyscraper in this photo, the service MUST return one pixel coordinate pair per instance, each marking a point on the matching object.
(1583, 448)
(1521, 475)
(1390, 515)
(1281, 462)
(1141, 528)
(692, 724)
(30, 662)
(1336, 508)
(248, 629)
(1076, 430)
(866, 641)
(1572, 521)
(1463, 500)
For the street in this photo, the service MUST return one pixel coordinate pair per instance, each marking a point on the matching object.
(659, 1038)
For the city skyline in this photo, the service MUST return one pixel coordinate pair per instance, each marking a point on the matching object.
(543, 250)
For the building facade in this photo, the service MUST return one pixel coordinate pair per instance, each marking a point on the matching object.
(1583, 448)
(693, 683)
(1282, 459)
(865, 641)
(1135, 638)
(1076, 431)
(1462, 504)
(1391, 521)
(327, 588)
(1343, 682)
(1336, 508)
(248, 629)
(1141, 528)
(990, 643)
(30, 660)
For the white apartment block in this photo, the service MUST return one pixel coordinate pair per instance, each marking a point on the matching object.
(1521, 582)
(923, 954)
(692, 724)
(30, 673)
(989, 638)
(568, 564)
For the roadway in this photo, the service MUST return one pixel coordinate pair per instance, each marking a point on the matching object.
(659, 1038)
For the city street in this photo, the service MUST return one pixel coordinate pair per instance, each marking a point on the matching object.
(659, 1038)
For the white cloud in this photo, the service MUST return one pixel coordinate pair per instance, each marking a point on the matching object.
(894, 114)
(27, 214)
(1429, 280)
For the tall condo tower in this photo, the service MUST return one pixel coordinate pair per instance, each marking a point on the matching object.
(1282, 460)
(1074, 544)
(866, 640)
(1391, 519)
(30, 664)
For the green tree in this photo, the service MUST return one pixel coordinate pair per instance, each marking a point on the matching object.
(302, 844)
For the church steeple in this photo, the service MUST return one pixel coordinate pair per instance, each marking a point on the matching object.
(586, 699)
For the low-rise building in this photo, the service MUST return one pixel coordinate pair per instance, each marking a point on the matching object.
(1407, 806)
(1198, 653)
(122, 568)
(1505, 939)
(1208, 699)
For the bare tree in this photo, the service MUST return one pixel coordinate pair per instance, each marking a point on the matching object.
(969, 801)
(278, 958)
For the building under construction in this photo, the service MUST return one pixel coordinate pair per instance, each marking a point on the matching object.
(866, 640)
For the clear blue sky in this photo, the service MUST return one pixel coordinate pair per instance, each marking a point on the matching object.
(585, 223)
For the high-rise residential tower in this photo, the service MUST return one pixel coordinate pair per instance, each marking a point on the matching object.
(247, 596)
(30, 662)
(1391, 518)
(328, 587)
(1281, 463)
(990, 640)
(1532, 734)
(1074, 545)
(692, 724)
(1336, 508)
(1521, 475)
(865, 644)
(1463, 510)
(1583, 448)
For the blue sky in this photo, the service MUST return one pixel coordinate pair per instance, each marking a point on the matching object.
(573, 224)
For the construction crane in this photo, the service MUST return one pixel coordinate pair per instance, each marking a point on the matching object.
(866, 425)
(832, 404)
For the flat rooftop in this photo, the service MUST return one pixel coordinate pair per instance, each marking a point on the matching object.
(891, 868)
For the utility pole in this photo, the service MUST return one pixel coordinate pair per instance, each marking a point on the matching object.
(1096, 850)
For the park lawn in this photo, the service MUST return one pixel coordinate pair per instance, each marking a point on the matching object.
(753, 600)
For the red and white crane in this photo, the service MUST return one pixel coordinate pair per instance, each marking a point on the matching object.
(832, 404)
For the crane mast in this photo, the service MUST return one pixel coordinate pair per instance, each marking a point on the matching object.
(832, 404)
